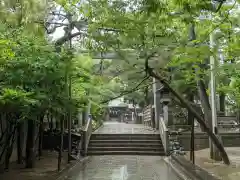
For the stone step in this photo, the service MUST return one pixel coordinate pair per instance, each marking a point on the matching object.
(129, 148)
(132, 135)
(111, 141)
(126, 134)
(122, 137)
(150, 153)
(124, 144)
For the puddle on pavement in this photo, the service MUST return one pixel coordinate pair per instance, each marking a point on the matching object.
(120, 173)
(122, 168)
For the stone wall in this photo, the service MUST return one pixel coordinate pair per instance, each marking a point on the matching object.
(202, 140)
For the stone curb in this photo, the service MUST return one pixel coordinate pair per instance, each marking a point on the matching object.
(179, 173)
(196, 171)
(191, 171)
(65, 171)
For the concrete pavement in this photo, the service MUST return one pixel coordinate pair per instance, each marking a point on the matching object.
(122, 168)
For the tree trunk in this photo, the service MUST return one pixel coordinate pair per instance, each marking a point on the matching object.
(69, 137)
(146, 98)
(19, 143)
(205, 103)
(48, 119)
(198, 117)
(30, 153)
(40, 141)
(192, 153)
(58, 126)
(190, 120)
(2, 129)
(12, 126)
(134, 112)
(238, 115)
(51, 121)
(61, 144)
(153, 119)
(3, 134)
(207, 110)
(190, 115)
(6, 138)
(10, 145)
(222, 102)
(5, 145)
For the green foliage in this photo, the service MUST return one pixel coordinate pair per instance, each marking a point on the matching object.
(164, 27)
(32, 71)
(16, 99)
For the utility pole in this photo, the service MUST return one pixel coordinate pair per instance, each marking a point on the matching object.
(215, 153)
(156, 85)
(192, 37)
(69, 92)
(213, 86)
(213, 149)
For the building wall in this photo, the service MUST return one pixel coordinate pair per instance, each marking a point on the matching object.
(202, 140)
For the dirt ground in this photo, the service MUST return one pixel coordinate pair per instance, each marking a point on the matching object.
(45, 168)
(218, 169)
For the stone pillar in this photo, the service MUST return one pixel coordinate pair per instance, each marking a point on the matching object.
(107, 114)
(156, 96)
(87, 112)
(165, 104)
(79, 118)
(165, 112)
(153, 117)
(54, 122)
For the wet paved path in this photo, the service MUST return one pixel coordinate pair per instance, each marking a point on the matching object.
(124, 128)
(122, 168)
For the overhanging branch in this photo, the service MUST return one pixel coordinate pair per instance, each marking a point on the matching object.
(188, 106)
(220, 5)
(65, 38)
(129, 91)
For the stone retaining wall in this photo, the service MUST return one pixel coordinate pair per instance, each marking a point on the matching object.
(202, 140)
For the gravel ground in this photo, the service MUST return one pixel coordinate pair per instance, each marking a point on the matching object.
(224, 172)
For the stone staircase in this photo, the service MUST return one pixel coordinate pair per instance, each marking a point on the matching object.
(125, 144)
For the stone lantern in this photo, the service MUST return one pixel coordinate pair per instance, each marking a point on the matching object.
(165, 99)
(164, 95)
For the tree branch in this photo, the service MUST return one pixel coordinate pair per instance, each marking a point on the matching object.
(220, 5)
(65, 38)
(219, 24)
(57, 14)
(188, 106)
(129, 91)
